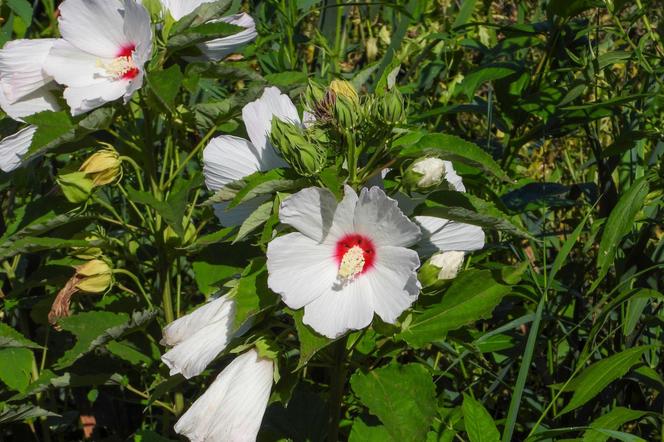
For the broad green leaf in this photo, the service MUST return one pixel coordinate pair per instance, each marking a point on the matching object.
(478, 422)
(451, 147)
(22, 413)
(10, 337)
(255, 185)
(619, 224)
(35, 244)
(310, 341)
(612, 420)
(16, 367)
(633, 313)
(127, 351)
(255, 220)
(362, 432)
(201, 15)
(252, 295)
(200, 33)
(402, 396)
(476, 78)
(21, 8)
(465, 13)
(472, 296)
(165, 84)
(596, 377)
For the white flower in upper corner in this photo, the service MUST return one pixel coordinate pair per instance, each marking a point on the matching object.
(232, 408)
(197, 338)
(180, 8)
(101, 55)
(347, 260)
(24, 90)
(228, 158)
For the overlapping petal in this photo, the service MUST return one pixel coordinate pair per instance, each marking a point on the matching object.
(13, 147)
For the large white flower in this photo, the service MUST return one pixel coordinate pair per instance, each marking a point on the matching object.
(232, 408)
(101, 55)
(25, 89)
(197, 338)
(228, 158)
(347, 260)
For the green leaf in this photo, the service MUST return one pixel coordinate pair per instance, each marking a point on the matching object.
(570, 8)
(96, 328)
(22, 8)
(362, 432)
(201, 15)
(402, 396)
(255, 185)
(252, 295)
(310, 341)
(612, 420)
(450, 147)
(22, 413)
(16, 367)
(599, 375)
(466, 208)
(620, 222)
(201, 33)
(51, 126)
(35, 244)
(476, 78)
(472, 296)
(12, 338)
(165, 84)
(127, 351)
(255, 220)
(478, 422)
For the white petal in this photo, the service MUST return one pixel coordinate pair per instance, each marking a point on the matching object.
(13, 147)
(232, 408)
(21, 63)
(344, 216)
(82, 99)
(299, 269)
(308, 119)
(257, 117)
(393, 281)
(442, 234)
(73, 67)
(378, 217)
(38, 101)
(238, 214)
(311, 211)
(227, 158)
(199, 337)
(138, 30)
(94, 26)
(180, 8)
(341, 308)
(219, 48)
(453, 178)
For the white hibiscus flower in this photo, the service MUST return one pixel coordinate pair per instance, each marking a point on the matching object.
(232, 408)
(347, 261)
(217, 48)
(228, 158)
(24, 90)
(197, 338)
(101, 55)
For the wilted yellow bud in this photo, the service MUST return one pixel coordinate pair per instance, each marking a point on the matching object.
(103, 167)
(372, 48)
(342, 88)
(95, 276)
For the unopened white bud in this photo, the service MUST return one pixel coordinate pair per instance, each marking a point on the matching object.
(449, 263)
(432, 170)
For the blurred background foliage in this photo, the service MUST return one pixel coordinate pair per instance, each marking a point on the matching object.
(564, 95)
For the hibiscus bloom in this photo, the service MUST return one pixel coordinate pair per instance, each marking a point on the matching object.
(228, 158)
(217, 48)
(197, 338)
(232, 408)
(347, 261)
(24, 90)
(101, 55)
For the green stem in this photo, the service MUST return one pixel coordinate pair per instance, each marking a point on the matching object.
(337, 383)
(191, 155)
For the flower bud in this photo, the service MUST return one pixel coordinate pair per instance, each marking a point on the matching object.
(302, 153)
(441, 267)
(372, 48)
(346, 112)
(103, 167)
(75, 186)
(94, 276)
(342, 88)
(425, 173)
(391, 107)
(319, 101)
(89, 252)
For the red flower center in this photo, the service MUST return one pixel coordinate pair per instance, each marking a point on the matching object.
(127, 53)
(349, 246)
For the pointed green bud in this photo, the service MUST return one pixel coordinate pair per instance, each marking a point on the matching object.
(75, 186)
(302, 152)
(391, 107)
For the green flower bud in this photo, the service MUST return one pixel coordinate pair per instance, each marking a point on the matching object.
(391, 107)
(300, 151)
(346, 112)
(76, 186)
(424, 174)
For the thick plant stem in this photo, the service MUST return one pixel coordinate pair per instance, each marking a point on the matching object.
(167, 305)
(337, 383)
